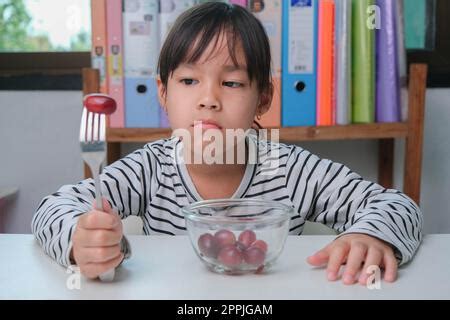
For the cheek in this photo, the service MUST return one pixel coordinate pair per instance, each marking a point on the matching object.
(179, 112)
(244, 111)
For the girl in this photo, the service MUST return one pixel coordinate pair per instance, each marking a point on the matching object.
(214, 75)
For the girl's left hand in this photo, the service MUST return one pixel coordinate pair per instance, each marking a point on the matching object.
(358, 252)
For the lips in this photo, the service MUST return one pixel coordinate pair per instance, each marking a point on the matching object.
(207, 124)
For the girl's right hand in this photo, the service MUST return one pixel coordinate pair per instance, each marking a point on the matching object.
(96, 241)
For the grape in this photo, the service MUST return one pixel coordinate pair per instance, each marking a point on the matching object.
(241, 246)
(254, 256)
(208, 245)
(230, 256)
(246, 238)
(225, 238)
(100, 103)
(261, 244)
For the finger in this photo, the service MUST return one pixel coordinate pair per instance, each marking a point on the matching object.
(337, 257)
(355, 259)
(98, 254)
(319, 258)
(93, 270)
(390, 267)
(105, 204)
(374, 258)
(98, 220)
(86, 238)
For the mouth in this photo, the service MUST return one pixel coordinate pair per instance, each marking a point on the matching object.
(206, 124)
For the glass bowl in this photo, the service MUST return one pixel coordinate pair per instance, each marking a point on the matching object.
(237, 236)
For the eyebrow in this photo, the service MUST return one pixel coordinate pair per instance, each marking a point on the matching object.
(227, 68)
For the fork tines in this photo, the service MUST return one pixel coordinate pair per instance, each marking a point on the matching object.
(92, 127)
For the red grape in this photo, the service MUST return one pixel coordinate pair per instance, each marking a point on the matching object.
(225, 238)
(230, 256)
(254, 256)
(208, 245)
(246, 238)
(100, 103)
(261, 244)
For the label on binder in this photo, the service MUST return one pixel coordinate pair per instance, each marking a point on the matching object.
(301, 35)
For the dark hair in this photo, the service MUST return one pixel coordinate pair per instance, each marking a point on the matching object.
(206, 21)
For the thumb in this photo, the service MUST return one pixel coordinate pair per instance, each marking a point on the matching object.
(319, 258)
(106, 206)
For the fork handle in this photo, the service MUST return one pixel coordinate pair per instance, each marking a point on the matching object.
(98, 193)
(107, 276)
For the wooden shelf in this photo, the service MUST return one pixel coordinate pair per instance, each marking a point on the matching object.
(385, 133)
(292, 134)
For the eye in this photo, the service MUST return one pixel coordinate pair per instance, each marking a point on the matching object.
(233, 84)
(187, 82)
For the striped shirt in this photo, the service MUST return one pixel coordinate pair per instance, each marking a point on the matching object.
(154, 184)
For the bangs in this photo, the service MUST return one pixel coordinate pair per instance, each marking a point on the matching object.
(204, 39)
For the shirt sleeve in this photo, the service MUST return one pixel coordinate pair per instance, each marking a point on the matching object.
(330, 193)
(127, 184)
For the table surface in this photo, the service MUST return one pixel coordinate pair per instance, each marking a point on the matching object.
(165, 267)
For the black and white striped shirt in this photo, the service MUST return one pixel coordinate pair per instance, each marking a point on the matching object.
(153, 184)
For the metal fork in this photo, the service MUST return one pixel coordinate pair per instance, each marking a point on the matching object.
(93, 152)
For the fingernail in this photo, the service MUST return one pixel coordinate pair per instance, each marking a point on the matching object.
(389, 278)
(348, 278)
(331, 276)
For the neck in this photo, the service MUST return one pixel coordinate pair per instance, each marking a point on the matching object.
(224, 169)
(216, 170)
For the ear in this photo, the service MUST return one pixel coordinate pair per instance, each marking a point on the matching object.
(265, 100)
(162, 93)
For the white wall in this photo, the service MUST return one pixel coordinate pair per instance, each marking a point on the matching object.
(38, 149)
(39, 152)
(435, 195)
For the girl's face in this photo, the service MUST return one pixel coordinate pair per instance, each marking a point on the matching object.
(213, 90)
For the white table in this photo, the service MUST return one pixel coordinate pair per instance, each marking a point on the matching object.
(167, 268)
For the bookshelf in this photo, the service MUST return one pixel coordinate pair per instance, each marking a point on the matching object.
(385, 133)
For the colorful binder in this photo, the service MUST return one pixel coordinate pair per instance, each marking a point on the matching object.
(387, 85)
(299, 63)
(141, 49)
(170, 10)
(363, 61)
(402, 64)
(99, 46)
(270, 16)
(325, 64)
(343, 59)
(242, 3)
(115, 61)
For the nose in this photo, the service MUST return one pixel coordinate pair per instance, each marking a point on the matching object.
(210, 99)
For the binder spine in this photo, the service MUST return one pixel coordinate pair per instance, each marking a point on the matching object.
(387, 89)
(115, 61)
(343, 58)
(299, 63)
(363, 63)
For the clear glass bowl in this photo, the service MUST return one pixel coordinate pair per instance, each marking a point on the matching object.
(237, 236)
